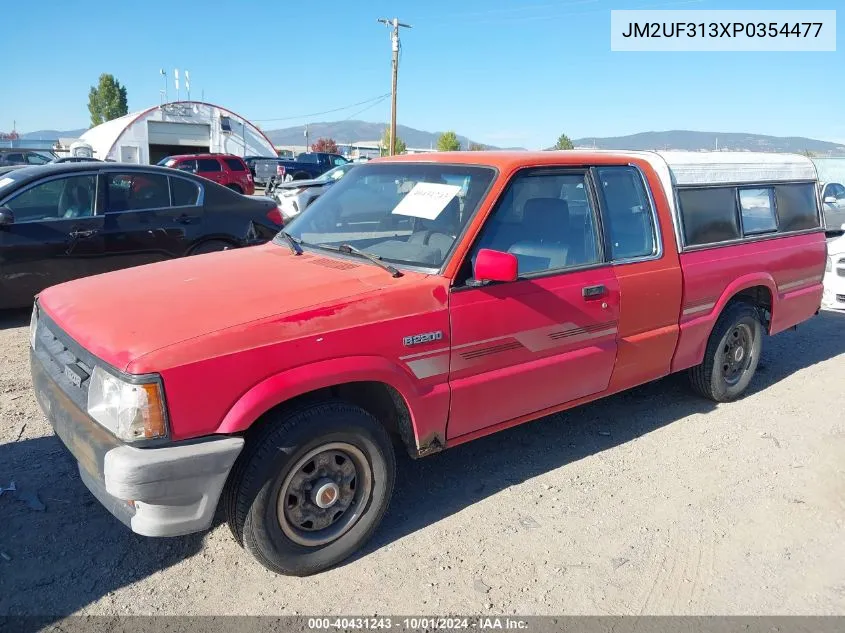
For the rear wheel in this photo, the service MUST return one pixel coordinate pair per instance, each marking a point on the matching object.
(311, 487)
(235, 188)
(732, 354)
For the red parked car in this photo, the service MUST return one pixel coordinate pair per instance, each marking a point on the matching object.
(419, 302)
(225, 169)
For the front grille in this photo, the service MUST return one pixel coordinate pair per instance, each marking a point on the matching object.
(840, 298)
(57, 351)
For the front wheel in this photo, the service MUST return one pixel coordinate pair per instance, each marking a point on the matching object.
(311, 487)
(732, 355)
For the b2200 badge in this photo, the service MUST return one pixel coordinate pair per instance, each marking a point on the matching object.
(418, 339)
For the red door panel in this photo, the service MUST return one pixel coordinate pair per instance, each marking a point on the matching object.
(528, 345)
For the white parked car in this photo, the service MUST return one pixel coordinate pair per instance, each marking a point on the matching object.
(834, 275)
(833, 204)
(294, 196)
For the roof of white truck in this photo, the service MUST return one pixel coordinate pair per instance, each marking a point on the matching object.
(713, 168)
(709, 168)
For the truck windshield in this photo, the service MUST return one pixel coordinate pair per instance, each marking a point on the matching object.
(406, 213)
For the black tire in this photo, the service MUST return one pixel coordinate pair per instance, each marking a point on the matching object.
(235, 188)
(211, 246)
(257, 499)
(725, 372)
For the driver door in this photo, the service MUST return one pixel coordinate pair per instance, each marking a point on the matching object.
(55, 236)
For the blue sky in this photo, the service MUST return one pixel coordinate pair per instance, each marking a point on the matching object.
(501, 72)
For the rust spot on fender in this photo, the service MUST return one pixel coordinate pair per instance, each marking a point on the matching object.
(431, 444)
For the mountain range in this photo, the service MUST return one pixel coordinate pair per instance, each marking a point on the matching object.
(689, 140)
(356, 131)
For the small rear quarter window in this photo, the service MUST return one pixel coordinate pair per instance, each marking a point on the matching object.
(184, 192)
(235, 164)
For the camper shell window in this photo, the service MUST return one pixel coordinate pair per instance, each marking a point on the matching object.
(712, 215)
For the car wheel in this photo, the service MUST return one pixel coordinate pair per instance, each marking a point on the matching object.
(732, 354)
(211, 246)
(311, 487)
(235, 188)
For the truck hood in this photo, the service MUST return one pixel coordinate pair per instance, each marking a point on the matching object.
(123, 315)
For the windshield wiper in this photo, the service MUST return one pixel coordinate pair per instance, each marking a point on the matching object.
(293, 242)
(348, 248)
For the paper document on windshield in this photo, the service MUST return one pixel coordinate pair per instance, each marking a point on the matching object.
(426, 200)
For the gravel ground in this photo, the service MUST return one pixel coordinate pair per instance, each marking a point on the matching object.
(649, 502)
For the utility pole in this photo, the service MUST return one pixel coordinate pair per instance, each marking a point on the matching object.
(394, 41)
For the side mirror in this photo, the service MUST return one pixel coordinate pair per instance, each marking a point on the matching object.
(830, 200)
(6, 216)
(493, 265)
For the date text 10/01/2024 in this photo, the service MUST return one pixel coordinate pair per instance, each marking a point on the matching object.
(418, 623)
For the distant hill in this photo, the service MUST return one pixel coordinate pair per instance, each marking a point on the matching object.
(689, 140)
(52, 135)
(356, 131)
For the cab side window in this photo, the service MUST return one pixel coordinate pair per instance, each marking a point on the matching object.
(630, 228)
(136, 192)
(547, 220)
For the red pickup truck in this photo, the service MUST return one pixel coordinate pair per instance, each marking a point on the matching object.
(423, 301)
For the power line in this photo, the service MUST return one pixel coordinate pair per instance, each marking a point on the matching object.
(372, 105)
(303, 116)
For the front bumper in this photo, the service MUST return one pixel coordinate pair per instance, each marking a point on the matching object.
(166, 491)
(833, 297)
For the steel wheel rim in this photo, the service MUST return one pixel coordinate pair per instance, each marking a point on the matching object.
(737, 352)
(325, 493)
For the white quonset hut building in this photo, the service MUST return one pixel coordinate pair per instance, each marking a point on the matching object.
(183, 127)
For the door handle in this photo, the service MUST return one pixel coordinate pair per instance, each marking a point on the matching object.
(184, 218)
(593, 292)
(80, 234)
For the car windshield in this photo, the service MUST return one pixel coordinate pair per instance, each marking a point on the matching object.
(405, 213)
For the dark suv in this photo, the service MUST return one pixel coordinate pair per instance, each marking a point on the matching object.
(224, 169)
(16, 156)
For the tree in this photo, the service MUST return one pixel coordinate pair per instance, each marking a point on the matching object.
(563, 142)
(398, 147)
(325, 145)
(107, 100)
(476, 147)
(448, 142)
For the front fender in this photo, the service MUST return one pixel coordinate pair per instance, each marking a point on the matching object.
(427, 406)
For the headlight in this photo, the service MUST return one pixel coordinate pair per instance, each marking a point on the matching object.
(132, 412)
(33, 325)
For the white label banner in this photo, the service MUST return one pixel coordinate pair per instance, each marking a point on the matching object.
(723, 30)
(426, 200)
